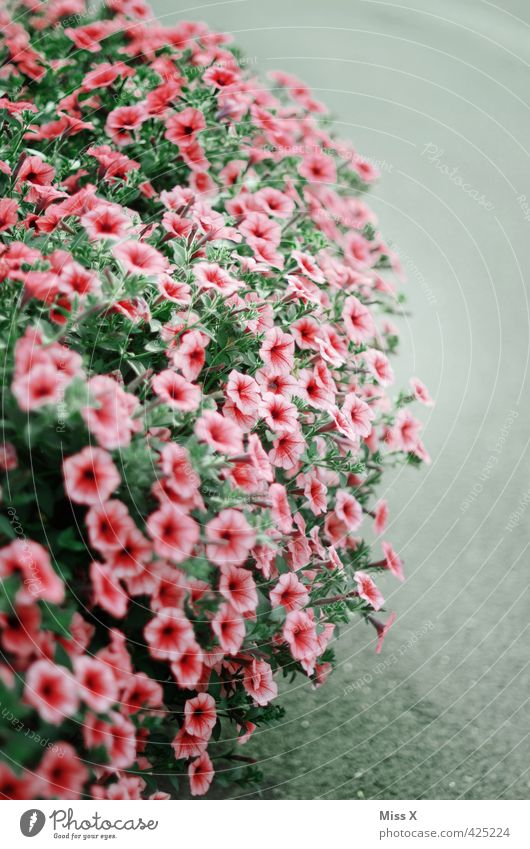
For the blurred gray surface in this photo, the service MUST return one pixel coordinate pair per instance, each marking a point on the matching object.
(445, 715)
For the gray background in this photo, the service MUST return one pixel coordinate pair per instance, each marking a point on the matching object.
(446, 715)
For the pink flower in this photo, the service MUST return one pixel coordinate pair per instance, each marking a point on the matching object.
(210, 275)
(368, 590)
(96, 682)
(358, 320)
(200, 715)
(279, 413)
(348, 510)
(230, 538)
(182, 128)
(229, 628)
(219, 433)
(280, 509)
(124, 121)
(260, 227)
(14, 786)
(107, 221)
(35, 171)
(173, 533)
(118, 736)
(62, 772)
(186, 745)
(169, 634)
(406, 431)
(316, 494)
(305, 330)
(191, 354)
(140, 258)
(141, 692)
(277, 351)
(90, 477)
(358, 414)
(239, 589)
(177, 466)
(175, 291)
(187, 668)
(201, 773)
(308, 266)
(51, 690)
(107, 590)
(300, 633)
(175, 391)
(111, 418)
(104, 75)
(38, 387)
(379, 366)
(420, 391)
(258, 682)
(8, 213)
(243, 391)
(273, 202)
(289, 592)
(393, 561)
(108, 524)
(382, 630)
(77, 280)
(381, 516)
(33, 561)
(287, 450)
(318, 168)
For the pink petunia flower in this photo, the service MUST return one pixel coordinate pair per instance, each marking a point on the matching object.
(210, 275)
(200, 715)
(140, 258)
(393, 561)
(277, 351)
(62, 772)
(280, 509)
(33, 561)
(380, 516)
(368, 590)
(201, 773)
(173, 533)
(259, 683)
(108, 524)
(190, 356)
(420, 391)
(176, 391)
(348, 510)
(229, 628)
(279, 413)
(107, 590)
(300, 633)
(357, 320)
(51, 690)
(182, 128)
(90, 477)
(289, 592)
(243, 391)
(358, 413)
(169, 634)
(187, 668)
(219, 433)
(238, 587)
(230, 538)
(96, 682)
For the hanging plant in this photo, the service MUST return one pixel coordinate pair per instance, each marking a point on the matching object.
(198, 401)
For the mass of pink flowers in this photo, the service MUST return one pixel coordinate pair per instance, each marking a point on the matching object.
(198, 407)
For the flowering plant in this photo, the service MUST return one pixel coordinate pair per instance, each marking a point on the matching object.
(195, 415)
